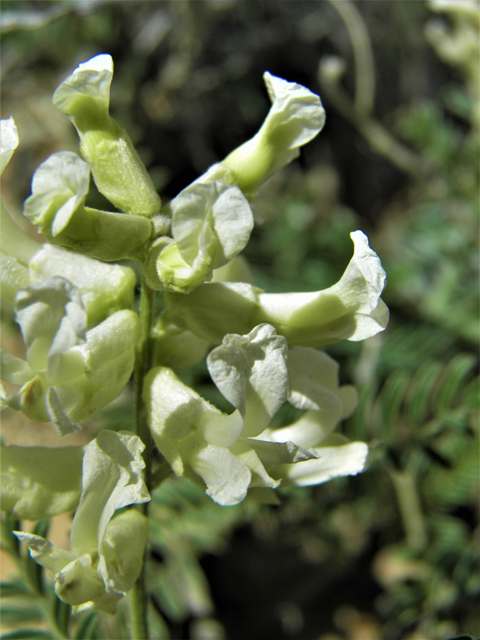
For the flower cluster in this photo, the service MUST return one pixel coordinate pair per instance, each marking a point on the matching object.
(74, 306)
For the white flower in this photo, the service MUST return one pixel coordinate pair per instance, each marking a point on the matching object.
(198, 439)
(314, 386)
(57, 207)
(116, 167)
(295, 118)
(105, 556)
(211, 224)
(349, 310)
(235, 453)
(71, 372)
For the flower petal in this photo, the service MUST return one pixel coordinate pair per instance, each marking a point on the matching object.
(108, 357)
(8, 141)
(56, 206)
(46, 553)
(57, 414)
(211, 223)
(333, 462)
(176, 348)
(116, 167)
(91, 79)
(280, 452)
(14, 369)
(349, 310)
(121, 556)
(295, 118)
(59, 187)
(313, 377)
(249, 455)
(40, 482)
(226, 476)
(112, 479)
(52, 319)
(176, 411)
(251, 372)
(104, 288)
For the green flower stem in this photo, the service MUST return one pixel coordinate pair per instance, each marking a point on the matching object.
(10, 544)
(410, 508)
(139, 594)
(362, 50)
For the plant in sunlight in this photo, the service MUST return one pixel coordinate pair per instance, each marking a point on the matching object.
(74, 303)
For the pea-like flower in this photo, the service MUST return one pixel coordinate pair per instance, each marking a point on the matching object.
(234, 454)
(71, 371)
(211, 223)
(295, 118)
(211, 218)
(106, 555)
(57, 207)
(314, 387)
(200, 441)
(23, 261)
(351, 309)
(118, 172)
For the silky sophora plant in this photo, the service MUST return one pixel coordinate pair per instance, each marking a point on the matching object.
(74, 306)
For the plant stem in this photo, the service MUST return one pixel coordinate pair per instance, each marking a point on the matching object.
(143, 362)
(410, 509)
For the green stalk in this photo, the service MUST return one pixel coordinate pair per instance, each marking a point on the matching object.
(143, 362)
(410, 508)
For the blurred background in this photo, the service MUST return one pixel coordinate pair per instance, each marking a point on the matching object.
(392, 554)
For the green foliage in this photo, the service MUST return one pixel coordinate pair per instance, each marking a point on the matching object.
(419, 398)
(185, 525)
